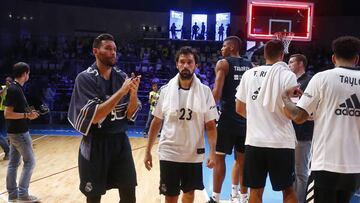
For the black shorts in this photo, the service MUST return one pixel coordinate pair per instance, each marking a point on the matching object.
(330, 187)
(175, 176)
(279, 163)
(111, 165)
(230, 137)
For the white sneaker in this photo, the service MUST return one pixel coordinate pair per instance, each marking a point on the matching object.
(234, 199)
(243, 198)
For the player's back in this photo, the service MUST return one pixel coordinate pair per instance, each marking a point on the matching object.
(337, 119)
(237, 67)
(265, 128)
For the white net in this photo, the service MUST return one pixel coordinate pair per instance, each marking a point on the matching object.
(286, 38)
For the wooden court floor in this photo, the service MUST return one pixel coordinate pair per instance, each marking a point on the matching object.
(55, 178)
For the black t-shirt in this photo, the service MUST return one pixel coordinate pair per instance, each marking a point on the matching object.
(237, 67)
(304, 132)
(15, 98)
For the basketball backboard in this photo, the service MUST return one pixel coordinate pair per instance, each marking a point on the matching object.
(264, 18)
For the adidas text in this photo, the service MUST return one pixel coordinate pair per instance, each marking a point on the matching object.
(351, 107)
(348, 112)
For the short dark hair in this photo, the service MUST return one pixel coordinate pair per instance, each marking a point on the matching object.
(101, 37)
(300, 57)
(346, 47)
(20, 68)
(187, 50)
(8, 78)
(273, 49)
(234, 40)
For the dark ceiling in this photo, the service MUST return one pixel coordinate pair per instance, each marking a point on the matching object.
(322, 7)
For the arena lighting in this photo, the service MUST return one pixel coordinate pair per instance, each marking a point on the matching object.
(280, 4)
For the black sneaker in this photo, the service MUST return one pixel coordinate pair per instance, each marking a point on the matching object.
(211, 200)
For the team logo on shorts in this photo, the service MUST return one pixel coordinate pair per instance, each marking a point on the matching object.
(88, 187)
(163, 188)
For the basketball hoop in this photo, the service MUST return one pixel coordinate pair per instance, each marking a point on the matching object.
(286, 38)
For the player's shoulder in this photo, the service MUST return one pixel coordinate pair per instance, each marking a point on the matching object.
(222, 61)
(163, 89)
(205, 87)
(120, 72)
(87, 75)
(222, 64)
(325, 74)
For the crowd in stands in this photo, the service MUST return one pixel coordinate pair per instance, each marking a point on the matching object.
(55, 61)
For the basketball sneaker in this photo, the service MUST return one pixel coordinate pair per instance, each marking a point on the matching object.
(234, 199)
(243, 198)
(211, 200)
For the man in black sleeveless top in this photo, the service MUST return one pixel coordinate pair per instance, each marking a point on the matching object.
(231, 126)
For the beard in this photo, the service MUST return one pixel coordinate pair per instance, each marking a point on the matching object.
(109, 62)
(186, 74)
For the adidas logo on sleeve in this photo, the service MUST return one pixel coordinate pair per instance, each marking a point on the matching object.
(351, 107)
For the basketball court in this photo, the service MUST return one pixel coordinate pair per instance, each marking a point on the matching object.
(55, 178)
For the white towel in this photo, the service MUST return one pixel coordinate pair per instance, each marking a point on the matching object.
(196, 100)
(271, 89)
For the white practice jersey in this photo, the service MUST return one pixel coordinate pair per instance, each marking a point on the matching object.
(265, 128)
(334, 98)
(182, 134)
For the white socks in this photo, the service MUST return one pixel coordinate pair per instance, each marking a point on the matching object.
(244, 198)
(216, 196)
(234, 190)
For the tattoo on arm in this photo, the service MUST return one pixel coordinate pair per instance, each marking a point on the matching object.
(298, 115)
